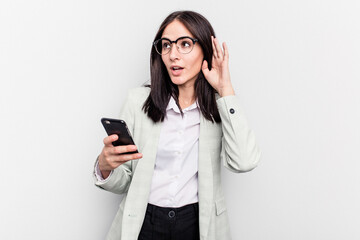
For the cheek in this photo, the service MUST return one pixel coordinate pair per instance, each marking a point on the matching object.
(197, 62)
(199, 57)
(163, 60)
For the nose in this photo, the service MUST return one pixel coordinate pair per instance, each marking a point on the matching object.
(174, 52)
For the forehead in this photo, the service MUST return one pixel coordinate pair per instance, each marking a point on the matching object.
(175, 30)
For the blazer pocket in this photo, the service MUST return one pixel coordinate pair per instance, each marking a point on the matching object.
(220, 206)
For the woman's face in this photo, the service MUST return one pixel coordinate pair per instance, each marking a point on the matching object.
(183, 69)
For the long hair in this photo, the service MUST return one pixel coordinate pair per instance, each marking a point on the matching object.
(162, 88)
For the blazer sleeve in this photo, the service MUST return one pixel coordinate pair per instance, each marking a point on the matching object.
(239, 152)
(118, 182)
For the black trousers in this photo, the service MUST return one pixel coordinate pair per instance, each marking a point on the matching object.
(171, 223)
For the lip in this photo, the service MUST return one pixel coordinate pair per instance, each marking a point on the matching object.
(176, 72)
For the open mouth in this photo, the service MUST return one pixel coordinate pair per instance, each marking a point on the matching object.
(176, 71)
(176, 68)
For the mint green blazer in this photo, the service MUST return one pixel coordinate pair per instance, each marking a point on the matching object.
(230, 143)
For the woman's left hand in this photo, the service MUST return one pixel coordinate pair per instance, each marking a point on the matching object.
(219, 75)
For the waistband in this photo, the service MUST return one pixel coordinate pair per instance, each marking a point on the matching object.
(172, 212)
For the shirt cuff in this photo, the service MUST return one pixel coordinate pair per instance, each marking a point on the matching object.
(98, 173)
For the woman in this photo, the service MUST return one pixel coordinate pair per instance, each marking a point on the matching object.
(184, 125)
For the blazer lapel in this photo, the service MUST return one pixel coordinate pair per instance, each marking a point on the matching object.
(138, 194)
(205, 177)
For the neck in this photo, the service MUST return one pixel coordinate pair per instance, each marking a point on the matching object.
(186, 96)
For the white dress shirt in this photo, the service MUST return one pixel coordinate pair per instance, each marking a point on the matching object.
(175, 178)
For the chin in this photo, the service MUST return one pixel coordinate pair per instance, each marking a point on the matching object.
(178, 81)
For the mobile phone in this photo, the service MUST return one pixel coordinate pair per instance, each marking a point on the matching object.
(119, 127)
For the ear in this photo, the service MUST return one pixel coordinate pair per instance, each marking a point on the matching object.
(205, 68)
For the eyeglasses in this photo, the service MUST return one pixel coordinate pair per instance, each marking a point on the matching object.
(184, 45)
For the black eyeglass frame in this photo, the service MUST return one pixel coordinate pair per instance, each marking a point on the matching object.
(194, 40)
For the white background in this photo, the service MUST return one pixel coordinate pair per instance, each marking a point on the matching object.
(295, 66)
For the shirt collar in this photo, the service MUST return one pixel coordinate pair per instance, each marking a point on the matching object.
(172, 105)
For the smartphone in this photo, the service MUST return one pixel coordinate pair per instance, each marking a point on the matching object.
(117, 126)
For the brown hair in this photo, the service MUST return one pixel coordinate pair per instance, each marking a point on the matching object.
(162, 88)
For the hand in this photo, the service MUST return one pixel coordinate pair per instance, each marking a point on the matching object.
(111, 157)
(219, 75)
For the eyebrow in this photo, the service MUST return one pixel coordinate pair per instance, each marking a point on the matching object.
(162, 37)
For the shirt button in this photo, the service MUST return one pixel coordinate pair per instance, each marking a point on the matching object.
(171, 214)
(232, 111)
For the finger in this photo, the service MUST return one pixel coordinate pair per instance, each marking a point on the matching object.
(214, 48)
(124, 149)
(226, 51)
(110, 139)
(219, 51)
(127, 157)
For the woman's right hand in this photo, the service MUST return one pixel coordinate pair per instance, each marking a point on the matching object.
(111, 157)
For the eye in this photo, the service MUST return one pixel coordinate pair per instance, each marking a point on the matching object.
(166, 45)
(185, 44)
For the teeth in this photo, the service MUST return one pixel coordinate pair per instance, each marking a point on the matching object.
(176, 68)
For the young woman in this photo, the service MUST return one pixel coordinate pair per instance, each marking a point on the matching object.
(185, 124)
